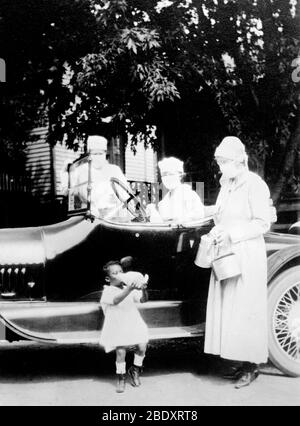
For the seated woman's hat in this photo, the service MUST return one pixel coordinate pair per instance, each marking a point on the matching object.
(171, 165)
(232, 148)
(97, 143)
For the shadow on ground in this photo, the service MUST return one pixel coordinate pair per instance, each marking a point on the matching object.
(23, 362)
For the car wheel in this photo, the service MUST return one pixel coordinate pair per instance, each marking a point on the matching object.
(284, 321)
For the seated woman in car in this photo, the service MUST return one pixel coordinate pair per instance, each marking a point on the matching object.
(181, 203)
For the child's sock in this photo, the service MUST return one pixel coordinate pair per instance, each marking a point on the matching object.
(138, 360)
(120, 367)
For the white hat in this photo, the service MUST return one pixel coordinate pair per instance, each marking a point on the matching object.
(171, 164)
(96, 143)
(232, 148)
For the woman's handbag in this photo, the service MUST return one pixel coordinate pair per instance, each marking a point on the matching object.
(226, 266)
(206, 252)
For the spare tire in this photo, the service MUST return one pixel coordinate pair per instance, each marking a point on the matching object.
(284, 321)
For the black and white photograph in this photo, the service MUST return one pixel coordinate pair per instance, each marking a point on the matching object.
(149, 206)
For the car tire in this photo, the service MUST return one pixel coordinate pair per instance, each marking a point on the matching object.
(284, 321)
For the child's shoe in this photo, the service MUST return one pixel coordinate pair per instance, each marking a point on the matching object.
(121, 383)
(134, 375)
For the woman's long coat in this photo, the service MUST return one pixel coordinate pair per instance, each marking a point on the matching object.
(236, 323)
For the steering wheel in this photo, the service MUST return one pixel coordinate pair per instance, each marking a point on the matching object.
(137, 210)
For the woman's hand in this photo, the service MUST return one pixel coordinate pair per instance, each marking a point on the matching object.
(221, 236)
(151, 209)
(153, 214)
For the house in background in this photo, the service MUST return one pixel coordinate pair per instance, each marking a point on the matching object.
(141, 166)
(43, 164)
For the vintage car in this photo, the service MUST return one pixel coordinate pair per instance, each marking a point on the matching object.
(51, 277)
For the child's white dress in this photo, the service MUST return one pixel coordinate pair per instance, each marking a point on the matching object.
(123, 324)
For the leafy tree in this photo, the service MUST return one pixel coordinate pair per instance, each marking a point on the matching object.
(198, 71)
(257, 95)
(37, 40)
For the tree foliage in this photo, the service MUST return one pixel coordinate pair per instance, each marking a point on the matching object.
(37, 40)
(197, 70)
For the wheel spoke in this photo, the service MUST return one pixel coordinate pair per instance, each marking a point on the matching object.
(281, 323)
(287, 301)
(295, 291)
(283, 313)
(284, 305)
(282, 339)
(288, 342)
(282, 334)
(294, 352)
(282, 326)
(289, 347)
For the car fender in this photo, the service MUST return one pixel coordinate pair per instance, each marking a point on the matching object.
(280, 259)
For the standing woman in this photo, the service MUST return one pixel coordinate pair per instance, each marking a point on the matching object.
(236, 322)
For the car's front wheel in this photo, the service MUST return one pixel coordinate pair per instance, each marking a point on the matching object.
(284, 321)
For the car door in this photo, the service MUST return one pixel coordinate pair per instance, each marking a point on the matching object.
(177, 288)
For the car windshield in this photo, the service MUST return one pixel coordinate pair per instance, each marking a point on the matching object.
(78, 186)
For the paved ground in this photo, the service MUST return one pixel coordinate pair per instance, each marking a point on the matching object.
(177, 373)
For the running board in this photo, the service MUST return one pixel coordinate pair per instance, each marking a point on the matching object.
(154, 333)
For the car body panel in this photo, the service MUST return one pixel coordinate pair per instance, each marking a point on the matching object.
(71, 256)
(63, 264)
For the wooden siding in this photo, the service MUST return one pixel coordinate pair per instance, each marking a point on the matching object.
(61, 155)
(38, 163)
(141, 166)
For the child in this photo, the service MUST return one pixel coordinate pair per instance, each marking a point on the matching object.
(123, 325)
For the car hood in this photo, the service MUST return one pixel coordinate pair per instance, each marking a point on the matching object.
(37, 244)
